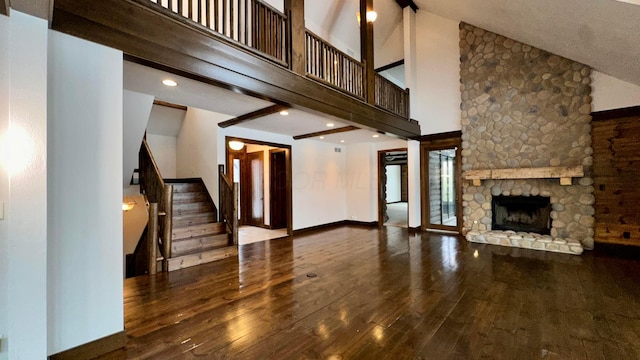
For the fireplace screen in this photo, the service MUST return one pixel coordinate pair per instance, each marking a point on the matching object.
(521, 213)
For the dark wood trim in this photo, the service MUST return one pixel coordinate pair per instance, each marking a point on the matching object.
(95, 348)
(366, 51)
(439, 136)
(437, 142)
(404, 3)
(5, 5)
(288, 160)
(297, 56)
(336, 224)
(632, 111)
(326, 132)
(188, 49)
(169, 105)
(390, 66)
(381, 168)
(253, 115)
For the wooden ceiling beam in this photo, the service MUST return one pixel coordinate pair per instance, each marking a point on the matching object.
(253, 115)
(4, 7)
(169, 105)
(326, 132)
(404, 3)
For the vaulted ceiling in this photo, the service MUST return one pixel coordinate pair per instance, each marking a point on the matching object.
(604, 34)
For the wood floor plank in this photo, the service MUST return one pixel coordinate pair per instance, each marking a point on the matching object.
(364, 293)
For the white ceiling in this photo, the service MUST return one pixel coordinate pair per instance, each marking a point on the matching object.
(604, 34)
(167, 121)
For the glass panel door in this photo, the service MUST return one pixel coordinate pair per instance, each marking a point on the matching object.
(442, 187)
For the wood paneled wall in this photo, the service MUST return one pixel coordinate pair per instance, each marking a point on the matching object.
(616, 167)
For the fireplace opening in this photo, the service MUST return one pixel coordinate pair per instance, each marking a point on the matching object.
(521, 213)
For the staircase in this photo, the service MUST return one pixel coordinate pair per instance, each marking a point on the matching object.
(196, 236)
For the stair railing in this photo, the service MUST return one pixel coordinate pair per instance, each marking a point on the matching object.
(229, 205)
(160, 198)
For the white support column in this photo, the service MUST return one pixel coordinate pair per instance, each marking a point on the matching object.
(410, 55)
(413, 147)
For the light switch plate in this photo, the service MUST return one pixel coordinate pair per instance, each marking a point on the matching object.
(1, 210)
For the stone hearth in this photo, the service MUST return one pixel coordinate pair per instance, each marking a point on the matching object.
(524, 108)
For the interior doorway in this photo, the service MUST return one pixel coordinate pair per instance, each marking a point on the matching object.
(263, 173)
(440, 182)
(393, 200)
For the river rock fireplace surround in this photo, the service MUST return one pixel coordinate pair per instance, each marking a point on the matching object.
(526, 132)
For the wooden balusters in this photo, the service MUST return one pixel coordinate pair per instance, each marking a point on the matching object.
(229, 205)
(249, 22)
(390, 96)
(333, 67)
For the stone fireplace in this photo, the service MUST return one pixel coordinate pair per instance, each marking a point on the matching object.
(526, 133)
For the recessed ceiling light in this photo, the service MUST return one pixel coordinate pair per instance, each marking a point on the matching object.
(284, 113)
(321, 137)
(341, 141)
(169, 82)
(376, 135)
(330, 124)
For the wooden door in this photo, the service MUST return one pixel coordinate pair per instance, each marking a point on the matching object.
(616, 176)
(278, 189)
(252, 190)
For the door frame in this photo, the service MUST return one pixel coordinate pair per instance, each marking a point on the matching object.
(381, 174)
(440, 142)
(289, 176)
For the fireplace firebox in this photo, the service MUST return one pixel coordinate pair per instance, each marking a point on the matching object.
(521, 213)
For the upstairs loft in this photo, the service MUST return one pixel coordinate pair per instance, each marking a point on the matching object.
(246, 46)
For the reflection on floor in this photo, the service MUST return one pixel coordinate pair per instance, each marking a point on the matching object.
(398, 214)
(251, 234)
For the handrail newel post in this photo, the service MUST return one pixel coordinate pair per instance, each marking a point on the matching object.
(152, 239)
(168, 226)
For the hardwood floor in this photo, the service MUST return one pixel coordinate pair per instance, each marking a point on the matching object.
(387, 294)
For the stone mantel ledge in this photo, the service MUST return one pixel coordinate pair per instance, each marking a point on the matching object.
(564, 173)
(526, 241)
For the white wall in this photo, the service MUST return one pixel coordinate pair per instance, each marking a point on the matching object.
(135, 115)
(393, 183)
(436, 99)
(27, 211)
(163, 149)
(84, 192)
(5, 77)
(611, 93)
(197, 148)
(335, 21)
(362, 182)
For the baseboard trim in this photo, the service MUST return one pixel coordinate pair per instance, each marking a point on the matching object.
(332, 225)
(92, 350)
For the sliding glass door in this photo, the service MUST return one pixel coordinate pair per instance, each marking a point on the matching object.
(440, 184)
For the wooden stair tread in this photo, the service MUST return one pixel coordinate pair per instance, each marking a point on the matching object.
(213, 228)
(188, 260)
(187, 187)
(186, 197)
(193, 207)
(184, 220)
(198, 244)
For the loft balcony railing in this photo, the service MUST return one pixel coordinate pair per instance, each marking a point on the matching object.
(264, 30)
(331, 66)
(392, 97)
(249, 22)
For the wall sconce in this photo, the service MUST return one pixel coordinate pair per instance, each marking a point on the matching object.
(126, 206)
(236, 145)
(371, 16)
